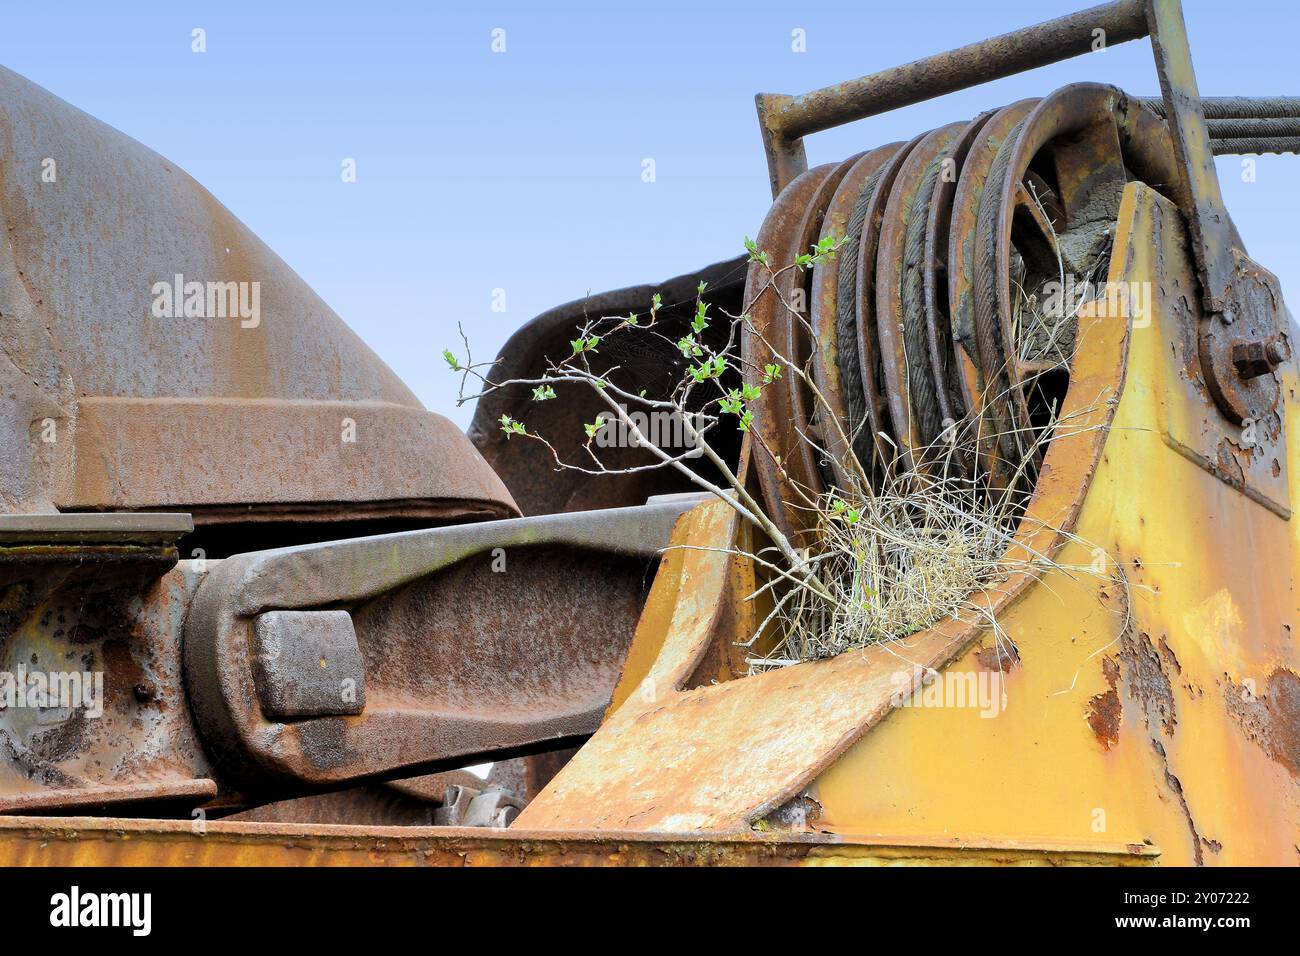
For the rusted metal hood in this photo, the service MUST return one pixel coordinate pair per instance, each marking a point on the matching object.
(155, 354)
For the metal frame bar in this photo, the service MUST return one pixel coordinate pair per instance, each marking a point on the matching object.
(785, 120)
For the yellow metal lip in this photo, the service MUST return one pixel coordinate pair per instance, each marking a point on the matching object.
(99, 841)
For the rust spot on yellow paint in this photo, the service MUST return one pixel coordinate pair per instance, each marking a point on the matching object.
(1104, 712)
(1271, 719)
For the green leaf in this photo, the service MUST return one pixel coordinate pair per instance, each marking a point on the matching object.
(542, 393)
(701, 320)
(584, 345)
(451, 360)
(511, 427)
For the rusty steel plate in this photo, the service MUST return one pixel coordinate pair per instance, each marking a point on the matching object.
(475, 640)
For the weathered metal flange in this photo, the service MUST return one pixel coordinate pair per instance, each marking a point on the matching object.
(962, 269)
(1076, 126)
(899, 312)
(784, 463)
(943, 358)
(178, 363)
(839, 434)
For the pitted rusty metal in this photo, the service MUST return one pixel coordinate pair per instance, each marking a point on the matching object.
(93, 602)
(476, 641)
(233, 413)
(452, 659)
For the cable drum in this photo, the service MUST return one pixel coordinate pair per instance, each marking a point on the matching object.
(931, 338)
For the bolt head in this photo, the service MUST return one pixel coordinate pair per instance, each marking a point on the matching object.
(1258, 357)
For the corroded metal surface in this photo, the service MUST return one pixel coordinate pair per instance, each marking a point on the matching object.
(840, 223)
(108, 615)
(1207, 215)
(97, 842)
(238, 408)
(1164, 696)
(465, 643)
(909, 383)
(782, 461)
(936, 281)
(963, 267)
(476, 640)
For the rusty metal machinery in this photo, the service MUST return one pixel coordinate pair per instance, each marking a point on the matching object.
(1146, 714)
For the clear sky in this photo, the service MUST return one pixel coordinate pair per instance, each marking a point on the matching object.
(521, 170)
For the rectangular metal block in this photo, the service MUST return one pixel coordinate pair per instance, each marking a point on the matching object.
(308, 664)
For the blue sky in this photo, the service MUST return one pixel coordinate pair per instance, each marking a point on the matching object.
(522, 171)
